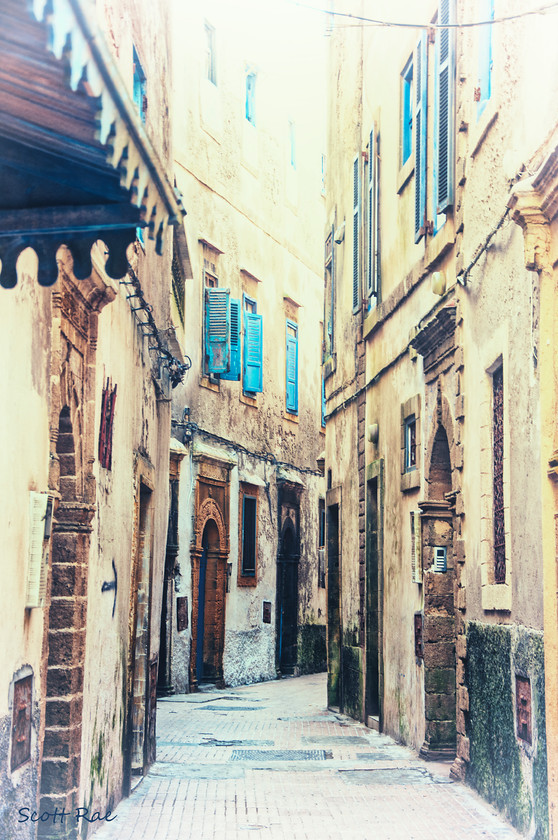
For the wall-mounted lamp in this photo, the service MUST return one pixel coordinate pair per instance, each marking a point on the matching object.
(439, 283)
(373, 433)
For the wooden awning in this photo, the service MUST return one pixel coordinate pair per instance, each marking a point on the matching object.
(76, 164)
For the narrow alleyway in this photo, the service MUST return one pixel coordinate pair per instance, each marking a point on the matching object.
(269, 761)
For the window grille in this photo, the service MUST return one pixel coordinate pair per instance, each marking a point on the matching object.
(498, 474)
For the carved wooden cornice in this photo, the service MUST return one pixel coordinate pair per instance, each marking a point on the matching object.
(435, 332)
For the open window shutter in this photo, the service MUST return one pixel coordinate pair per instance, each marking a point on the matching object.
(217, 329)
(323, 403)
(292, 372)
(356, 232)
(371, 281)
(421, 89)
(234, 372)
(253, 347)
(416, 557)
(444, 123)
(38, 556)
(485, 56)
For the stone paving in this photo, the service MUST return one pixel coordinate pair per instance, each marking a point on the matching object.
(270, 762)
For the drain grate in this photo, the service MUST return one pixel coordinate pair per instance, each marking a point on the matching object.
(278, 755)
(336, 740)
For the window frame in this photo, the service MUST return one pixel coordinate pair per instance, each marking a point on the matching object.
(250, 97)
(407, 112)
(251, 492)
(410, 473)
(210, 54)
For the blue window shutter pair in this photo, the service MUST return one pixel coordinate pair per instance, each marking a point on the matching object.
(253, 347)
(217, 330)
(292, 368)
(356, 233)
(421, 91)
(234, 372)
(444, 120)
(444, 109)
(485, 56)
(372, 247)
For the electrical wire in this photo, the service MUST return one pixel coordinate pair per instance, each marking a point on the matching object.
(267, 457)
(400, 24)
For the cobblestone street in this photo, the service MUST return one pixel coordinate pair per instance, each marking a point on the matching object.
(270, 761)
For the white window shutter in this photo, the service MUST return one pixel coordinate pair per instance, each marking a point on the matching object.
(416, 547)
(38, 556)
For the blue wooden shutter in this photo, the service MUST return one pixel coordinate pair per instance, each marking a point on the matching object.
(253, 352)
(217, 329)
(444, 108)
(356, 233)
(421, 91)
(485, 56)
(323, 402)
(292, 368)
(371, 273)
(234, 371)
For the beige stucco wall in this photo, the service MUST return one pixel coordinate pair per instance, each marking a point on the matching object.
(264, 220)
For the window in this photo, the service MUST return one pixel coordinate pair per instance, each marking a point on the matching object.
(217, 329)
(407, 112)
(356, 234)
(484, 90)
(329, 304)
(252, 370)
(140, 82)
(105, 432)
(442, 153)
(498, 475)
(372, 222)
(248, 535)
(292, 367)
(21, 722)
(210, 63)
(251, 98)
(410, 443)
(292, 144)
(321, 547)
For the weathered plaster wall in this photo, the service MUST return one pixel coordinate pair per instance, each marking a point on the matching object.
(24, 453)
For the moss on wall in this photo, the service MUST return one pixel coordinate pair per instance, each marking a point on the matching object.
(352, 681)
(498, 769)
(311, 645)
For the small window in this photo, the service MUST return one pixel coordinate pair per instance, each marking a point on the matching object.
(292, 368)
(321, 546)
(251, 98)
(407, 103)
(140, 84)
(292, 144)
(211, 68)
(410, 443)
(498, 475)
(248, 535)
(105, 431)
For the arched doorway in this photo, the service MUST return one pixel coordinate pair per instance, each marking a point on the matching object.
(287, 600)
(438, 586)
(211, 613)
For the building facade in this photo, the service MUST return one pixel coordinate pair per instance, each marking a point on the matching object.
(247, 594)
(86, 250)
(435, 514)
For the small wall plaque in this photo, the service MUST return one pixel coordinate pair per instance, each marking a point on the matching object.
(267, 612)
(182, 613)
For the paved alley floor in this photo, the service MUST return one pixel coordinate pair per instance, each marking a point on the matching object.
(270, 762)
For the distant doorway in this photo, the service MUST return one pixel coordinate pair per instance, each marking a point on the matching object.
(287, 595)
(211, 615)
(372, 705)
(333, 609)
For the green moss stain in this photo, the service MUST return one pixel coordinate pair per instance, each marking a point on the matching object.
(495, 767)
(352, 678)
(312, 657)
